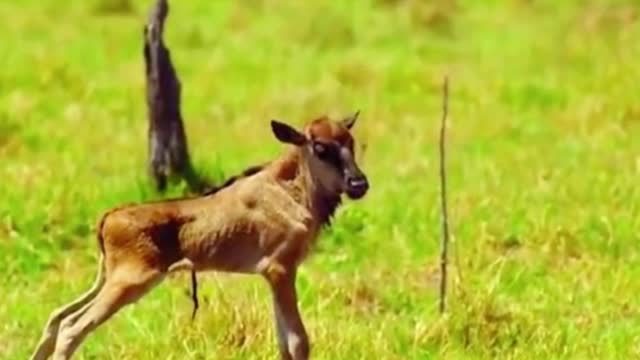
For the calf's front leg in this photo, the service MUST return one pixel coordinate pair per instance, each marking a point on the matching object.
(292, 336)
(274, 264)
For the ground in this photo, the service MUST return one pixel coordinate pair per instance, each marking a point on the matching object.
(544, 166)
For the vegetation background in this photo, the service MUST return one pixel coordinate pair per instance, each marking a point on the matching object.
(544, 166)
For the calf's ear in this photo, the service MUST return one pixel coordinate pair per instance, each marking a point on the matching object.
(287, 134)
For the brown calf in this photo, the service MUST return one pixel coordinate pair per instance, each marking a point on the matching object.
(263, 222)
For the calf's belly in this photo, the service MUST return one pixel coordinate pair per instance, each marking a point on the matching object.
(231, 255)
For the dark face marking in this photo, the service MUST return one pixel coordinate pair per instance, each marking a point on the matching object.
(329, 152)
(332, 143)
(355, 180)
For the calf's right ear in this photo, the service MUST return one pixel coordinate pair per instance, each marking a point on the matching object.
(287, 134)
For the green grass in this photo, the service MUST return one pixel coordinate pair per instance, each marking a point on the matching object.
(544, 167)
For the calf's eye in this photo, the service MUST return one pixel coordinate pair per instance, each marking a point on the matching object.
(319, 148)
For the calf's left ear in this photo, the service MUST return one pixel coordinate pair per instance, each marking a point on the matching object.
(348, 122)
(287, 134)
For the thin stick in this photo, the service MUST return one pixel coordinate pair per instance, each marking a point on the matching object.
(443, 196)
(194, 294)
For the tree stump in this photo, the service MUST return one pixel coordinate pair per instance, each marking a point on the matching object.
(168, 149)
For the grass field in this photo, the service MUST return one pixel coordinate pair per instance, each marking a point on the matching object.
(544, 168)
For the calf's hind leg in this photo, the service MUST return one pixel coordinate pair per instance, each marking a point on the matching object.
(47, 342)
(124, 288)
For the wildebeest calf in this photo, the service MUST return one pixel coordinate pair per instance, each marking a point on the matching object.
(264, 222)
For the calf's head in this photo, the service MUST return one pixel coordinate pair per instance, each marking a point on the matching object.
(327, 147)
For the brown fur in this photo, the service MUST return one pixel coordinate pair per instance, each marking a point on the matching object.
(263, 221)
(325, 130)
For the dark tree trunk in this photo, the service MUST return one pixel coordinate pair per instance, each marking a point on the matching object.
(168, 149)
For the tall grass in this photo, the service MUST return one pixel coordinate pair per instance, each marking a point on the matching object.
(544, 163)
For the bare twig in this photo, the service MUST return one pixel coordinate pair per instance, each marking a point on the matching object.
(194, 294)
(443, 196)
(186, 264)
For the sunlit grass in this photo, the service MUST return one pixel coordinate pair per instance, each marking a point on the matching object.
(544, 164)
